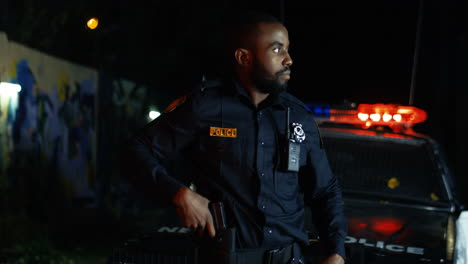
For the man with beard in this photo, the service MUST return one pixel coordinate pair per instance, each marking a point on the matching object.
(253, 147)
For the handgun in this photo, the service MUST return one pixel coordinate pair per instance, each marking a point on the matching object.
(226, 237)
(219, 218)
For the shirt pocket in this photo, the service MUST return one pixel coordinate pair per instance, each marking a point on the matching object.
(223, 149)
(286, 184)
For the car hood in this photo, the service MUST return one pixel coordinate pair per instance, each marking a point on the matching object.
(382, 232)
(394, 231)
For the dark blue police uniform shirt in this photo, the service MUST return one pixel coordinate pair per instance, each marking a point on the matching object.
(263, 202)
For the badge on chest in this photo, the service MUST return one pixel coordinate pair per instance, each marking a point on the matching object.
(294, 136)
(293, 145)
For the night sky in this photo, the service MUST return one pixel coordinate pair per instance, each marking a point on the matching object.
(358, 51)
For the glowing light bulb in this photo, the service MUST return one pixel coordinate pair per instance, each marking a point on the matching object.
(363, 116)
(397, 117)
(375, 117)
(93, 23)
(153, 114)
(386, 117)
(9, 88)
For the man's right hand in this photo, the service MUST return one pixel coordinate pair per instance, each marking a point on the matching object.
(192, 209)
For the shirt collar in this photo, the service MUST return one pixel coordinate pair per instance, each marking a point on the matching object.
(274, 100)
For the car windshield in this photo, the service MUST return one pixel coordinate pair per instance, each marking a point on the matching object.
(385, 167)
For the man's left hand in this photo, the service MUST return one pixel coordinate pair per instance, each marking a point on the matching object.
(333, 259)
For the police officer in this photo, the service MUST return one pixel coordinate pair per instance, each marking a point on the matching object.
(252, 146)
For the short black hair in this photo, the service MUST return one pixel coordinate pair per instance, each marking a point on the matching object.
(232, 31)
(244, 24)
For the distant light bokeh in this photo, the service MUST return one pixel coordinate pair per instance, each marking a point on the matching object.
(154, 114)
(9, 88)
(93, 23)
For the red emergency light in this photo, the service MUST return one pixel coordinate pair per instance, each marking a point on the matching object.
(380, 225)
(397, 117)
(385, 114)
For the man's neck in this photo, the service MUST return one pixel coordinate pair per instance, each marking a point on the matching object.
(257, 97)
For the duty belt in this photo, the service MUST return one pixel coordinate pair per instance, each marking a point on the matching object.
(276, 256)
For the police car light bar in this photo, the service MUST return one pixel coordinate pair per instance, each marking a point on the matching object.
(367, 115)
(382, 114)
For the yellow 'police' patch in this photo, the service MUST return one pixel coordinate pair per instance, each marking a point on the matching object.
(223, 132)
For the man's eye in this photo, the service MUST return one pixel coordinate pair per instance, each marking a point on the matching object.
(276, 50)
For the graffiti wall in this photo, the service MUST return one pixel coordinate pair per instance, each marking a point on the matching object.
(123, 109)
(47, 130)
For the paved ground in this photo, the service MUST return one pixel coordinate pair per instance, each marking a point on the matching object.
(78, 236)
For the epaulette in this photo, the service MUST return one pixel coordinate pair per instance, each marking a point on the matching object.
(207, 84)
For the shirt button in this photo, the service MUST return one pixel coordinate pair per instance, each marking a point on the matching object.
(263, 143)
(262, 174)
(263, 206)
(269, 231)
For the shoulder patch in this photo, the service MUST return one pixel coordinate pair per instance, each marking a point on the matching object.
(177, 102)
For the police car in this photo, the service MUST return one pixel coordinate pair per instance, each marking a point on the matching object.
(398, 193)
(399, 197)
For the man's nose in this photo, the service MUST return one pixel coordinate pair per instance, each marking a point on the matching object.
(288, 60)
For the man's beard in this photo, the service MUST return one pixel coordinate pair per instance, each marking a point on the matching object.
(265, 85)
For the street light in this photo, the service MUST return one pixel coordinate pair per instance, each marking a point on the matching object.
(92, 23)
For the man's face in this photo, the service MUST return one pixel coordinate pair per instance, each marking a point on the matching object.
(271, 62)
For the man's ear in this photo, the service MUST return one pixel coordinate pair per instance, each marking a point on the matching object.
(242, 56)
